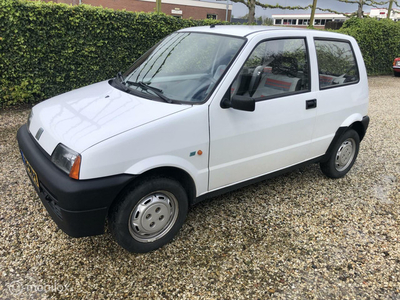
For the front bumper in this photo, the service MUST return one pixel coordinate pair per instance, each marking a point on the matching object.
(79, 207)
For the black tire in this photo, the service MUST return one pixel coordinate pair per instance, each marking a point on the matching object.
(342, 156)
(148, 215)
(396, 74)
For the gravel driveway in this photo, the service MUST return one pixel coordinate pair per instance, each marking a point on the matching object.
(298, 236)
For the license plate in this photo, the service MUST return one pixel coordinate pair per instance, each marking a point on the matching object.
(31, 172)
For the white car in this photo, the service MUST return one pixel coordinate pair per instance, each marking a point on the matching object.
(205, 111)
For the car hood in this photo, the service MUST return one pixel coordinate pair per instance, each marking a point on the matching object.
(84, 117)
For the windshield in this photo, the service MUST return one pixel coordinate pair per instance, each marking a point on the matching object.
(183, 67)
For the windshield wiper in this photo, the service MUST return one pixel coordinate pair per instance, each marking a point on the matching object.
(155, 90)
(119, 83)
(120, 77)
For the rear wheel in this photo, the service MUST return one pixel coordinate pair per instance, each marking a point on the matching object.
(342, 156)
(149, 214)
(397, 74)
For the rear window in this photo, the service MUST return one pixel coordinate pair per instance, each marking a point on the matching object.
(337, 64)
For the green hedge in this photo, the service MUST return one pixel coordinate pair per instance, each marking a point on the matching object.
(47, 48)
(379, 42)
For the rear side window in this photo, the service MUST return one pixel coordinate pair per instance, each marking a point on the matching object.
(336, 63)
(274, 68)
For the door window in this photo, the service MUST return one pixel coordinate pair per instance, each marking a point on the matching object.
(274, 68)
(336, 63)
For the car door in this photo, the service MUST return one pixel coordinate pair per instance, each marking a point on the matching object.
(277, 134)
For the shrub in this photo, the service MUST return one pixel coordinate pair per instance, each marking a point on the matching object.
(379, 41)
(48, 48)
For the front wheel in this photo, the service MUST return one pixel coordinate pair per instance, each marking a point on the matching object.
(343, 155)
(149, 214)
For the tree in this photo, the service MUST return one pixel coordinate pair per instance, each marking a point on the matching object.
(251, 5)
(268, 21)
(314, 6)
(361, 3)
(390, 7)
(158, 6)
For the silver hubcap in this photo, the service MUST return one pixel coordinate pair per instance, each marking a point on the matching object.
(153, 216)
(345, 154)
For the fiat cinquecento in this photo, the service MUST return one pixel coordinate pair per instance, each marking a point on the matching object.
(205, 111)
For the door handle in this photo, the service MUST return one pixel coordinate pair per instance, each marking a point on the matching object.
(311, 103)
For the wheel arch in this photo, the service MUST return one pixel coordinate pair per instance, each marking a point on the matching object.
(359, 126)
(175, 173)
(357, 122)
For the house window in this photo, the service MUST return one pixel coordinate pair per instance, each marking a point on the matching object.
(278, 22)
(211, 16)
(289, 22)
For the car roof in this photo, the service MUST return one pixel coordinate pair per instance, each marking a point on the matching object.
(238, 30)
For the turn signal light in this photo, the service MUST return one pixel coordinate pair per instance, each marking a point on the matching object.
(74, 173)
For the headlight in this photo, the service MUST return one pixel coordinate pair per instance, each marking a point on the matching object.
(29, 119)
(67, 160)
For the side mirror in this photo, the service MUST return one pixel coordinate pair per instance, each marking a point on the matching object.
(240, 103)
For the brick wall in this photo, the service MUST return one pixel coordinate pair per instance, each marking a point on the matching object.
(143, 6)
